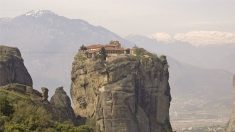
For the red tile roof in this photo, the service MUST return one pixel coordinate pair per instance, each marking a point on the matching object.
(94, 46)
(109, 47)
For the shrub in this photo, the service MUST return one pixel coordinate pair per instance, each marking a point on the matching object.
(81, 58)
(66, 127)
(5, 107)
(16, 128)
(84, 128)
(31, 116)
(18, 114)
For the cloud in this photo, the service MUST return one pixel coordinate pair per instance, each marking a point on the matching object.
(197, 38)
(206, 37)
(162, 37)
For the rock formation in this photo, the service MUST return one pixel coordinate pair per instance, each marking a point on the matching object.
(126, 93)
(61, 106)
(12, 69)
(15, 77)
(44, 93)
(231, 124)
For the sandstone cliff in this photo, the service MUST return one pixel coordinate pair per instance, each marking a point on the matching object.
(12, 69)
(127, 93)
(231, 124)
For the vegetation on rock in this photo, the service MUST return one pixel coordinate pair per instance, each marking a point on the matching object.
(83, 47)
(18, 113)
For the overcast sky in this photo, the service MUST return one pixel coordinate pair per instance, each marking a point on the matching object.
(143, 17)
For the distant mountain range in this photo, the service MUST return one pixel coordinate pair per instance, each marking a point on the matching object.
(206, 66)
(205, 56)
(49, 42)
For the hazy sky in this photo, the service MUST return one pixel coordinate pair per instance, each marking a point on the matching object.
(143, 17)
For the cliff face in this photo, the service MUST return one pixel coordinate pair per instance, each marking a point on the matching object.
(231, 124)
(123, 94)
(12, 69)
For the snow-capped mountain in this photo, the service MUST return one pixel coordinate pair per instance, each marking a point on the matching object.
(47, 29)
(38, 13)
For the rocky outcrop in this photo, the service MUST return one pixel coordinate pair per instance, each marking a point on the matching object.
(127, 93)
(44, 94)
(15, 77)
(61, 106)
(12, 69)
(231, 124)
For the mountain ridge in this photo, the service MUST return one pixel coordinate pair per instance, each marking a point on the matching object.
(195, 55)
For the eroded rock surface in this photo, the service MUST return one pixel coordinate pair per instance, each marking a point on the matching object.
(126, 93)
(12, 69)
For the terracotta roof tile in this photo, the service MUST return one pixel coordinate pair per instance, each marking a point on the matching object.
(94, 46)
(108, 47)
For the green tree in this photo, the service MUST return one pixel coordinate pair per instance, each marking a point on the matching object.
(139, 53)
(103, 54)
(32, 116)
(83, 47)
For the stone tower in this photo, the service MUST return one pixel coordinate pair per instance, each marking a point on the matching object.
(231, 123)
